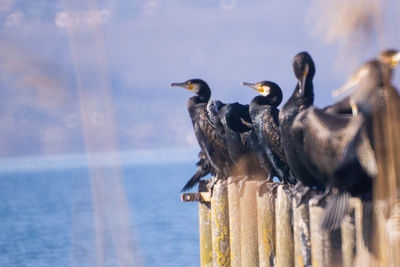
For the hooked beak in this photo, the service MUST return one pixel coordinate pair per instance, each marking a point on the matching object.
(264, 90)
(353, 81)
(302, 80)
(252, 85)
(184, 85)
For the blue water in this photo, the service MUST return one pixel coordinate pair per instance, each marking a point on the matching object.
(47, 217)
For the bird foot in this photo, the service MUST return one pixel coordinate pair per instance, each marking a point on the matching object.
(273, 186)
(211, 183)
(319, 198)
(301, 193)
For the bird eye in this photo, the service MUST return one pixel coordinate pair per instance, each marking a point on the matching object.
(189, 83)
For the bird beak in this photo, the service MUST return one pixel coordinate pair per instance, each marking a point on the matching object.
(353, 81)
(184, 85)
(264, 90)
(302, 80)
(252, 85)
(346, 87)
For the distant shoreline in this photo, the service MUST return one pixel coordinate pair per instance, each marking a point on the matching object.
(98, 159)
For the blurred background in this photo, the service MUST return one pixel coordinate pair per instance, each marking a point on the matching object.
(94, 143)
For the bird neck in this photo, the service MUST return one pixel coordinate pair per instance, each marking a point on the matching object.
(307, 97)
(201, 99)
(265, 100)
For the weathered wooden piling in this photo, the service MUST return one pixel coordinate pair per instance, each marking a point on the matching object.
(284, 227)
(255, 223)
(363, 256)
(234, 185)
(319, 238)
(301, 232)
(325, 245)
(206, 252)
(390, 231)
(349, 238)
(266, 224)
(220, 224)
(248, 229)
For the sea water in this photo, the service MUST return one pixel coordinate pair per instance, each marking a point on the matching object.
(47, 216)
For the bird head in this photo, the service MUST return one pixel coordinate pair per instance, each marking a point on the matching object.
(268, 89)
(197, 86)
(390, 56)
(303, 67)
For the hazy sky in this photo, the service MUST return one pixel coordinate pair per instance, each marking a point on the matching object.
(60, 60)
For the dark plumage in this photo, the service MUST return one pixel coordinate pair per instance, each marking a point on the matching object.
(265, 118)
(204, 168)
(340, 107)
(243, 143)
(236, 147)
(211, 143)
(369, 102)
(338, 149)
(301, 99)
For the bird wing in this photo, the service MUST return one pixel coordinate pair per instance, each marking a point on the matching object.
(270, 128)
(320, 138)
(213, 144)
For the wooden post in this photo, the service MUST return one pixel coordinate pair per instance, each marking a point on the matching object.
(234, 184)
(284, 227)
(248, 229)
(349, 239)
(206, 253)
(220, 224)
(266, 224)
(325, 245)
(363, 256)
(301, 232)
(319, 237)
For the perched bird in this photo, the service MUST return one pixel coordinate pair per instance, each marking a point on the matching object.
(372, 75)
(265, 119)
(301, 99)
(243, 142)
(210, 141)
(321, 139)
(204, 168)
(389, 57)
(232, 122)
(338, 149)
(236, 148)
(372, 90)
(373, 94)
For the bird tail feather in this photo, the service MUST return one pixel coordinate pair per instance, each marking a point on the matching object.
(336, 209)
(200, 173)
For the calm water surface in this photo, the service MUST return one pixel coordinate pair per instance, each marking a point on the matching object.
(46, 217)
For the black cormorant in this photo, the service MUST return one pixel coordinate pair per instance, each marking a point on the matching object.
(366, 77)
(243, 143)
(338, 149)
(390, 57)
(374, 99)
(231, 121)
(211, 142)
(301, 99)
(265, 118)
